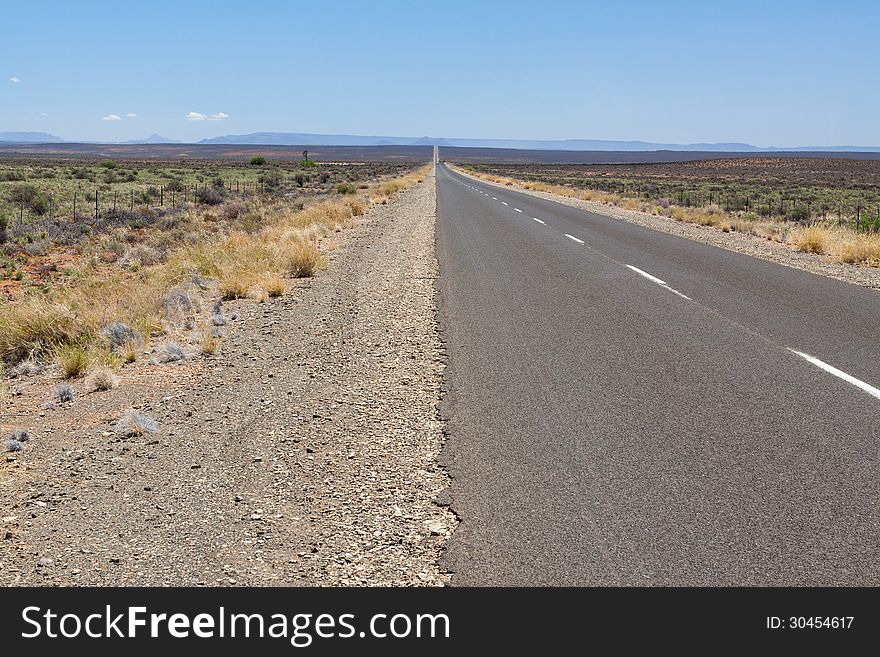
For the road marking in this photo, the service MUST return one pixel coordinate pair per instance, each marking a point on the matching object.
(871, 390)
(517, 209)
(572, 237)
(503, 202)
(539, 221)
(659, 282)
(494, 198)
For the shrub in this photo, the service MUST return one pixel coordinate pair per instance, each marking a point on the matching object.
(118, 335)
(257, 161)
(232, 210)
(800, 214)
(209, 196)
(21, 435)
(64, 393)
(134, 424)
(102, 378)
(171, 353)
(346, 188)
(109, 164)
(73, 361)
(12, 445)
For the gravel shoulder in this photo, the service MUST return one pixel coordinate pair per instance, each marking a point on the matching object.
(305, 453)
(739, 242)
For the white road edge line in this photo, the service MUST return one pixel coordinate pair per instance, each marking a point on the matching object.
(659, 282)
(572, 237)
(871, 390)
(539, 221)
(517, 209)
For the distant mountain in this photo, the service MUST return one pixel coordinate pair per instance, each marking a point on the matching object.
(29, 138)
(153, 139)
(311, 139)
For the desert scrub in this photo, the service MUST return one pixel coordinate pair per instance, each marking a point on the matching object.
(841, 243)
(64, 393)
(812, 240)
(102, 378)
(282, 240)
(134, 424)
(73, 360)
(209, 342)
(273, 284)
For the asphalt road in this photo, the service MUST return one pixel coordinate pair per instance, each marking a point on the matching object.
(628, 407)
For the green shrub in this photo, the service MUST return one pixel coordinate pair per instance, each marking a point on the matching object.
(257, 161)
(799, 214)
(346, 188)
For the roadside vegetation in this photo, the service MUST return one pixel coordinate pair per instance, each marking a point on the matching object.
(97, 294)
(827, 206)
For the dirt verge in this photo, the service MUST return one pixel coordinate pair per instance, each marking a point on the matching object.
(304, 453)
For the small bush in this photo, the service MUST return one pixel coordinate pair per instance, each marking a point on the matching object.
(73, 361)
(209, 196)
(134, 424)
(21, 435)
(171, 353)
(346, 188)
(117, 335)
(64, 393)
(102, 378)
(257, 161)
(11, 445)
(798, 215)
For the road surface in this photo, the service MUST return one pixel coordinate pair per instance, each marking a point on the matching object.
(630, 407)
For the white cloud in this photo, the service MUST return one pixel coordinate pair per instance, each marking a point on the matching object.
(197, 116)
(111, 117)
(14, 79)
(44, 113)
(131, 115)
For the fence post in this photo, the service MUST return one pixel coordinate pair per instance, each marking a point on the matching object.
(74, 206)
(96, 205)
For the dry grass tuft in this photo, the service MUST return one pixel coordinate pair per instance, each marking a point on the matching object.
(812, 239)
(209, 344)
(129, 351)
(73, 360)
(102, 378)
(273, 284)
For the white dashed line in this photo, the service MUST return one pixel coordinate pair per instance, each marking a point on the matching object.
(659, 282)
(517, 209)
(494, 198)
(572, 237)
(539, 221)
(503, 202)
(871, 390)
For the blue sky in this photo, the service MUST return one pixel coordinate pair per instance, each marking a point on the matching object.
(767, 73)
